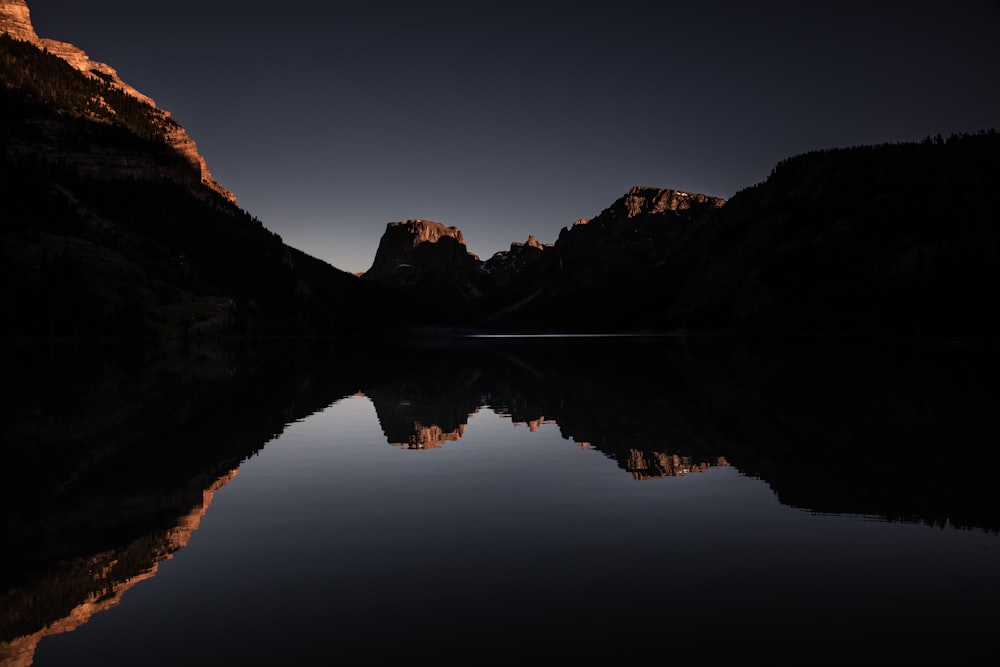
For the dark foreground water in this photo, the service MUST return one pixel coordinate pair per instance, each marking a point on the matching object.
(499, 502)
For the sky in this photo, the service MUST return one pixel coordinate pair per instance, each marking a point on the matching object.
(506, 119)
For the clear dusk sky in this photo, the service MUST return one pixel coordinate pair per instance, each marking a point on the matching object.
(329, 120)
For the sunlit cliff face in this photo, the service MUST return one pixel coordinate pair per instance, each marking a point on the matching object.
(646, 200)
(415, 243)
(15, 20)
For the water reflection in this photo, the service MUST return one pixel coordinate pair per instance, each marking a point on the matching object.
(616, 398)
(110, 458)
(904, 433)
(111, 454)
(91, 584)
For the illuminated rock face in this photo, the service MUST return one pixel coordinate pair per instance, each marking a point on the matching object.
(505, 266)
(420, 244)
(15, 20)
(415, 232)
(641, 228)
(645, 200)
(430, 261)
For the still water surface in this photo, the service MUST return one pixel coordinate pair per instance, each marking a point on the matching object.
(490, 506)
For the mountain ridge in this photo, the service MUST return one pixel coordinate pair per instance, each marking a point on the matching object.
(114, 226)
(15, 20)
(425, 258)
(111, 227)
(840, 241)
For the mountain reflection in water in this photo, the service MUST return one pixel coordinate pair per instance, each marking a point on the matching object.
(111, 454)
(588, 389)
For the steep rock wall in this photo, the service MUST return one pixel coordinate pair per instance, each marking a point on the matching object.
(15, 20)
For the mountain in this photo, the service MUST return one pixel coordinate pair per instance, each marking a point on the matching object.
(893, 239)
(120, 101)
(886, 240)
(505, 266)
(593, 278)
(425, 259)
(534, 286)
(113, 226)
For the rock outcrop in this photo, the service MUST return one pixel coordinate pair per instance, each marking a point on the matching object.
(429, 261)
(413, 245)
(640, 228)
(646, 200)
(591, 277)
(505, 266)
(15, 21)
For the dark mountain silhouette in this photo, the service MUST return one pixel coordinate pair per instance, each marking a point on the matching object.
(540, 287)
(427, 260)
(111, 226)
(594, 277)
(895, 239)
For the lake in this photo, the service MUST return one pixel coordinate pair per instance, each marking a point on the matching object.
(484, 501)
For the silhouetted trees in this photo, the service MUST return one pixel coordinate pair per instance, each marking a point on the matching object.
(49, 79)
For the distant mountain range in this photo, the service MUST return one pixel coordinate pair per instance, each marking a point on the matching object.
(112, 225)
(891, 240)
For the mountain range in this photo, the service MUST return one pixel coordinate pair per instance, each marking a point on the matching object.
(112, 225)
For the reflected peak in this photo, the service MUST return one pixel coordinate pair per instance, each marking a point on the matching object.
(430, 437)
(101, 578)
(650, 465)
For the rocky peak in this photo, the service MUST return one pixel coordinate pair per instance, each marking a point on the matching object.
(415, 232)
(420, 246)
(637, 216)
(531, 245)
(641, 200)
(15, 20)
(532, 242)
(506, 265)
